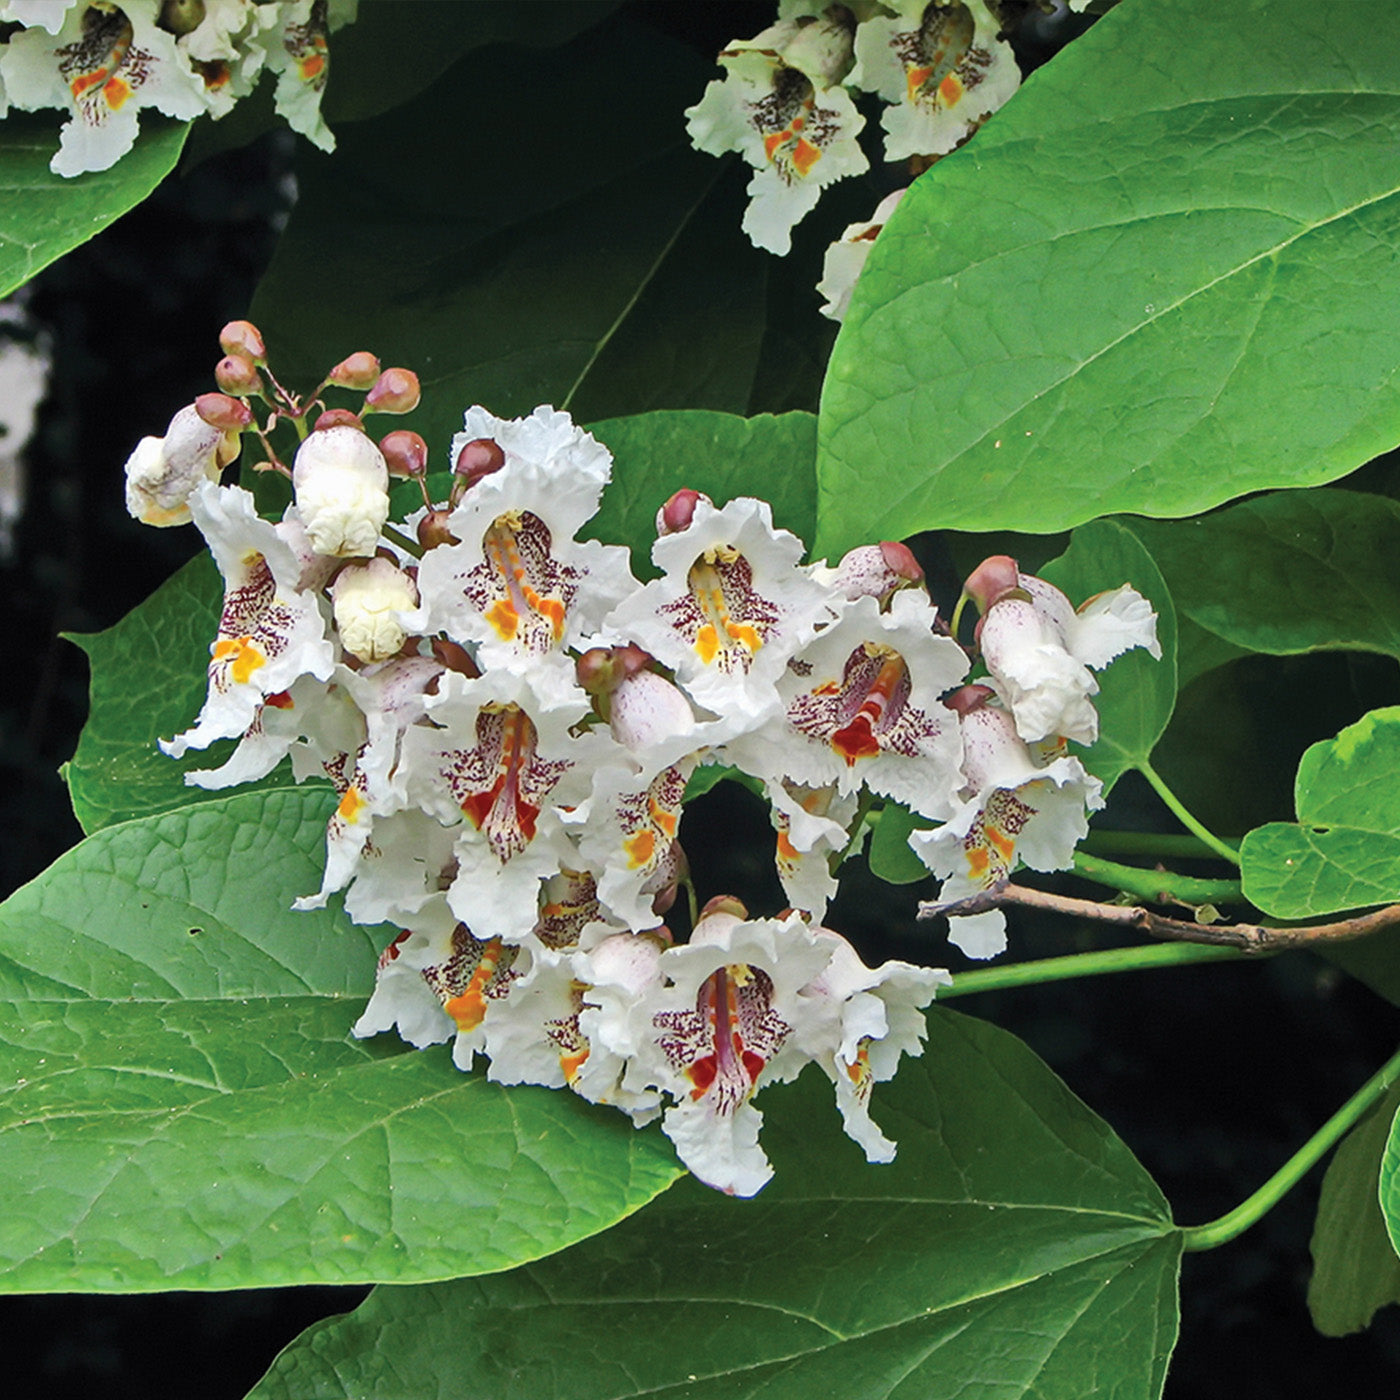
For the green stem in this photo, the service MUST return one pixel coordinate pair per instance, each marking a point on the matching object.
(1235, 1222)
(1221, 848)
(957, 616)
(864, 803)
(1156, 886)
(403, 541)
(1146, 843)
(1030, 974)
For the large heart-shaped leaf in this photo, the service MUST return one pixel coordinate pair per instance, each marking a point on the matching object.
(43, 216)
(184, 1106)
(1344, 850)
(1289, 572)
(1355, 1268)
(1161, 278)
(1015, 1246)
(1137, 692)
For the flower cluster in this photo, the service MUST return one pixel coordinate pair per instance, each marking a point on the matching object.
(511, 721)
(101, 62)
(785, 101)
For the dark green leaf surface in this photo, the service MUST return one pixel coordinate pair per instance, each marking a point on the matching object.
(721, 454)
(1355, 1268)
(148, 682)
(1136, 693)
(1015, 1248)
(181, 1104)
(1289, 572)
(1163, 277)
(889, 855)
(43, 216)
(570, 249)
(1390, 1183)
(1374, 960)
(1344, 850)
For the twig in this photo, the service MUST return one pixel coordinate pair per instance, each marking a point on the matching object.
(1249, 938)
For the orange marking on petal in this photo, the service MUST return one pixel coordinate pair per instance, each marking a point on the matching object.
(350, 805)
(745, 635)
(504, 618)
(978, 859)
(828, 688)
(1006, 845)
(468, 1008)
(84, 81)
(915, 78)
(311, 66)
(640, 848)
(246, 657)
(702, 1075)
(707, 643)
(571, 1064)
(951, 90)
(856, 740)
(280, 701)
(786, 850)
(775, 141)
(804, 156)
(116, 91)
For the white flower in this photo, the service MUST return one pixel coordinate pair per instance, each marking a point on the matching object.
(942, 67)
(342, 491)
(845, 259)
(731, 609)
(162, 471)
(861, 704)
(270, 633)
(368, 600)
(1038, 651)
(1013, 810)
(812, 828)
(300, 57)
(782, 108)
(103, 65)
(519, 585)
(875, 1016)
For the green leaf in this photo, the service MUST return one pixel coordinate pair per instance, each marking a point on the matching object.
(1015, 1247)
(148, 682)
(617, 283)
(1344, 850)
(656, 454)
(185, 1108)
(1136, 693)
(1390, 1183)
(1160, 279)
(1374, 961)
(43, 216)
(1199, 651)
(1355, 1268)
(1290, 572)
(889, 855)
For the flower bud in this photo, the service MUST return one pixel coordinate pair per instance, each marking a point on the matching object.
(395, 391)
(405, 452)
(243, 338)
(433, 531)
(237, 375)
(679, 511)
(994, 576)
(342, 491)
(455, 657)
(220, 411)
(357, 371)
(367, 600)
(162, 472)
(875, 571)
(181, 17)
(338, 418)
(717, 918)
(480, 457)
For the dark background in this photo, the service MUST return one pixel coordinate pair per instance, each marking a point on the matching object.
(1212, 1074)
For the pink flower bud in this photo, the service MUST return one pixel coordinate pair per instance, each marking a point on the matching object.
(243, 338)
(405, 452)
(221, 411)
(357, 371)
(725, 904)
(432, 528)
(968, 698)
(237, 375)
(338, 418)
(395, 391)
(994, 576)
(598, 671)
(900, 560)
(678, 512)
(478, 458)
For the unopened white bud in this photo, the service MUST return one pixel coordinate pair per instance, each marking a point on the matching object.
(367, 600)
(342, 491)
(161, 472)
